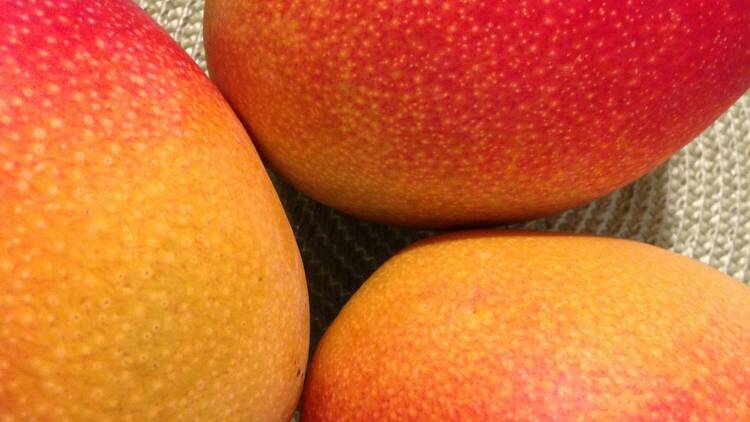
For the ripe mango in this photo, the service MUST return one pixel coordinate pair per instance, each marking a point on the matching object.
(513, 326)
(147, 269)
(445, 113)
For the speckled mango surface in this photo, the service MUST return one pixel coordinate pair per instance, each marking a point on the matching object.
(496, 326)
(440, 113)
(147, 270)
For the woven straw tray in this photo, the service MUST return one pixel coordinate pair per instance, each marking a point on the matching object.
(697, 204)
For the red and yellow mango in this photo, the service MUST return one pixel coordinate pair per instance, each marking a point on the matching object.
(496, 326)
(445, 113)
(147, 269)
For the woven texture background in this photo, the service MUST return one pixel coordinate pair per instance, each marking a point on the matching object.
(697, 204)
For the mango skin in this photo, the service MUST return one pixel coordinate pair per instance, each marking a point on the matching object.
(496, 326)
(435, 113)
(147, 269)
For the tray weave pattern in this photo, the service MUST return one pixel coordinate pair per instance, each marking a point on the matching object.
(696, 204)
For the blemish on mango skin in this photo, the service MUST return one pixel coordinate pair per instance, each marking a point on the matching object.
(527, 326)
(439, 113)
(147, 270)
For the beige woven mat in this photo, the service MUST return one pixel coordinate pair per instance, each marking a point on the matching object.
(698, 204)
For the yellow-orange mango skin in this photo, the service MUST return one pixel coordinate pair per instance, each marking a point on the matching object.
(147, 270)
(494, 326)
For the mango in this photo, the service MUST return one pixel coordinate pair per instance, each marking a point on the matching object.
(147, 269)
(471, 112)
(515, 326)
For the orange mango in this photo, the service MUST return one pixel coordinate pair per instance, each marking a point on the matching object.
(465, 112)
(514, 326)
(147, 269)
